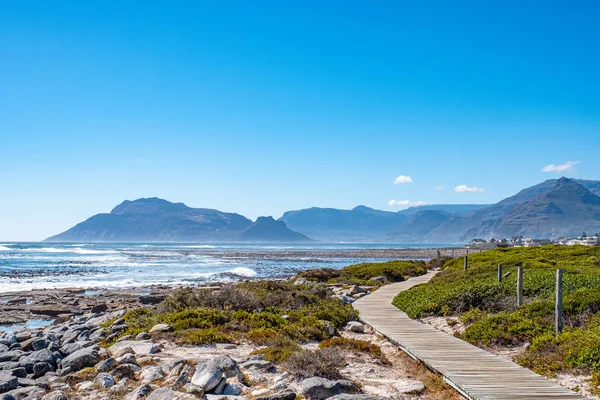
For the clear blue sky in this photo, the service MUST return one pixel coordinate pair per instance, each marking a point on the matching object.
(264, 106)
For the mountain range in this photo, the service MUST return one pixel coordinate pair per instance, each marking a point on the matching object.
(551, 209)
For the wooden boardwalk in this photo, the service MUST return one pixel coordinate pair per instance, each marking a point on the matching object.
(474, 372)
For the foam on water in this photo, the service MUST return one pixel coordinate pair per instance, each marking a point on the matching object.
(243, 271)
(4, 248)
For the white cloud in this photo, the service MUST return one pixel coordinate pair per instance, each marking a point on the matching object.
(438, 187)
(406, 203)
(566, 166)
(402, 179)
(465, 188)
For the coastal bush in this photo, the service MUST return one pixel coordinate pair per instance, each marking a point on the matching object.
(356, 346)
(324, 363)
(361, 274)
(489, 310)
(204, 336)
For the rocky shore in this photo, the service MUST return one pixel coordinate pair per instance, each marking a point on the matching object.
(72, 359)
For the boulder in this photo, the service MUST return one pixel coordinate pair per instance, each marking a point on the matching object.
(151, 374)
(13, 355)
(301, 281)
(380, 278)
(8, 381)
(139, 347)
(98, 308)
(125, 371)
(84, 358)
(105, 380)
(40, 356)
(73, 347)
(321, 388)
(128, 358)
(161, 328)
(207, 375)
(356, 327)
(139, 392)
(409, 386)
(165, 393)
(19, 372)
(143, 336)
(56, 395)
(39, 344)
(106, 365)
(40, 369)
(346, 299)
(283, 395)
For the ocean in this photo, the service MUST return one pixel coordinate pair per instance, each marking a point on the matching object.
(26, 266)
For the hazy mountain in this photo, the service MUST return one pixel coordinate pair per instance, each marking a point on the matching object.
(159, 220)
(447, 208)
(331, 224)
(567, 209)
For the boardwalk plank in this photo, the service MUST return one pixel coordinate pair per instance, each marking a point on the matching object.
(474, 372)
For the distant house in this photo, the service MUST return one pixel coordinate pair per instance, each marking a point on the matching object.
(585, 240)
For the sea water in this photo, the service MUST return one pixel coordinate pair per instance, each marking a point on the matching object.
(25, 266)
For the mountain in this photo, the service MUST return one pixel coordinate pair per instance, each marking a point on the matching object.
(331, 224)
(266, 229)
(565, 210)
(418, 226)
(447, 208)
(157, 220)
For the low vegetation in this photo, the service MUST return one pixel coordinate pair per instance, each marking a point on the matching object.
(324, 363)
(356, 346)
(362, 274)
(489, 309)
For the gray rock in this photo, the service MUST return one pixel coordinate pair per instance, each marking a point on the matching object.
(223, 397)
(257, 364)
(56, 395)
(11, 355)
(283, 395)
(40, 369)
(125, 371)
(345, 299)
(7, 396)
(71, 348)
(207, 375)
(139, 392)
(80, 359)
(118, 328)
(128, 358)
(321, 388)
(161, 328)
(233, 389)
(40, 356)
(301, 281)
(151, 374)
(106, 365)
(357, 397)
(381, 279)
(126, 337)
(19, 372)
(3, 348)
(106, 380)
(39, 344)
(356, 327)
(22, 336)
(165, 393)
(143, 336)
(409, 386)
(8, 381)
(27, 382)
(139, 347)
(329, 328)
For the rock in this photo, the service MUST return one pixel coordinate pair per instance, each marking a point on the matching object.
(139, 347)
(118, 328)
(257, 364)
(139, 392)
(151, 374)
(223, 397)
(128, 358)
(4, 347)
(56, 395)
(73, 347)
(40, 369)
(27, 382)
(409, 386)
(357, 289)
(23, 336)
(80, 359)
(357, 397)
(106, 380)
(345, 299)
(233, 389)
(83, 386)
(52, 310)
(39, 344)
(283, 395)
(301, 281)
(8, 381)
(40, 356)
(321, 388)
(207, 375)
(7, 396)
(356, 327)
(165, 393)
(143, 336)
(19, 372)
(161, 328)
(99, 308)
(106, 365)
(220, 386)
(329, 328)
(125, 371)
(381, 279)
(11, 355)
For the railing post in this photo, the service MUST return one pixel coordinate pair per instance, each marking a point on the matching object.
(519, 286)
(558, 323)
(452, 253)
(438, 255)
(499, 273)
(466, 263)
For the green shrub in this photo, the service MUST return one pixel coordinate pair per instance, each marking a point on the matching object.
(357, 346)
(204, 336)
(324, 363)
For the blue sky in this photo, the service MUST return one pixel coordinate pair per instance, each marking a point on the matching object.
(261, 107)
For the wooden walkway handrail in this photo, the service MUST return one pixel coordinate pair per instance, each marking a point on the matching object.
(475, 373)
